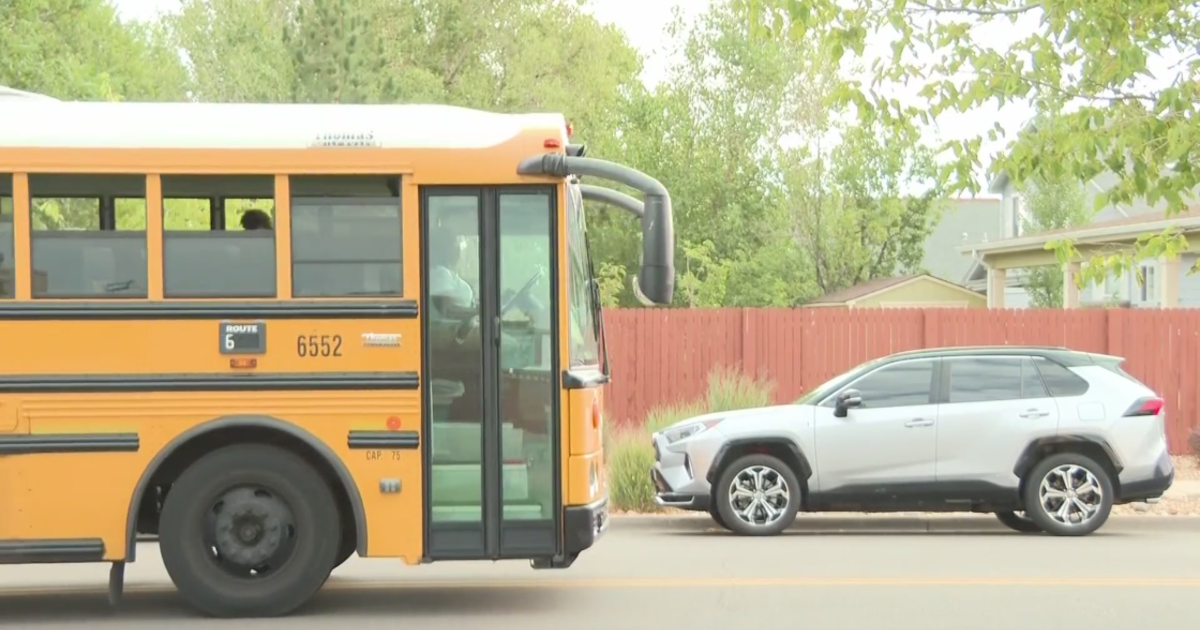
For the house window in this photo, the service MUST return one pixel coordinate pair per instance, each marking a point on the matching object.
(1149, 282)
(1116, 288)
(1018, 214)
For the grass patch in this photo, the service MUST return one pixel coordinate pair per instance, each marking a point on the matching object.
(630, 454)
(730, 389)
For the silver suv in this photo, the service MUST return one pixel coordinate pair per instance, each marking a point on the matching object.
(1047, 439)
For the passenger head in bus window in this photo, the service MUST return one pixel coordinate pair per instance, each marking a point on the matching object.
(452, 294)
(255, 219)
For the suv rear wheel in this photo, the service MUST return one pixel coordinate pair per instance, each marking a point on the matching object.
(1068, 494)
(758, 495)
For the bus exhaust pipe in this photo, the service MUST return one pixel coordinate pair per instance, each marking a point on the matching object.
(655, 281)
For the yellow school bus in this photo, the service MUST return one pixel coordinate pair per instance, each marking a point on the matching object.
(277, 335)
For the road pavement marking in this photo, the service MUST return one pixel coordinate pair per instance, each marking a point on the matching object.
(667, 582)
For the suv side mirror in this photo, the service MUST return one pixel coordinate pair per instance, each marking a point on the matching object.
(845, 401)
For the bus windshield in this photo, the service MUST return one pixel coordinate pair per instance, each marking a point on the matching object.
(583, 300)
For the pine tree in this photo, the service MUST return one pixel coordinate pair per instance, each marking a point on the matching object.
(336, 59)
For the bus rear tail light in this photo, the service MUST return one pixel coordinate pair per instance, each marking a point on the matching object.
(1149, 406)
(595, 414)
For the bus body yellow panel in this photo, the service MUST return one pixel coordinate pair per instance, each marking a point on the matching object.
(101, 485)
(257, 283)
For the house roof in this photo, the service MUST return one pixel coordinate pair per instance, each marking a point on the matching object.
(997, 183)
(1134, 221)
(879, 285)
(1123, 228)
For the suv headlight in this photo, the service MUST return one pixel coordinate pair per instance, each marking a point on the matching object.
(675, 434)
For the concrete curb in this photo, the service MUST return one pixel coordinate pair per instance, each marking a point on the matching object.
(883, 523)
(833, 524)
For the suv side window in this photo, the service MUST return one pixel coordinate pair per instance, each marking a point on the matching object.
(1031, 382)
(984, 379)
(1059, 380)
(901, 384)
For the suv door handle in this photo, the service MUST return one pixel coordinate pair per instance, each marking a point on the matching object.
(918, 422)
(1034, 413)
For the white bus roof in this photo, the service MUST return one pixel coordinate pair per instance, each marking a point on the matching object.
(49, 123)
(7, 93)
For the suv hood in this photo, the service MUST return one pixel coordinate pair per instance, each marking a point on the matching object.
(737, 414)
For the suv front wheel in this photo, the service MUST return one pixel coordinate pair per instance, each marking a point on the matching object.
(758, 495)
(1018, 522)
(1068, 494)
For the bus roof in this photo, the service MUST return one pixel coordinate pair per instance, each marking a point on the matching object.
(13, 93)
(49, 123)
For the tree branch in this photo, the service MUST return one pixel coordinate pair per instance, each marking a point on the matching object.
(1025, 8)
(1118, 96)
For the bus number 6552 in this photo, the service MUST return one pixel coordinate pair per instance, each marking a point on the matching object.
(319, 346)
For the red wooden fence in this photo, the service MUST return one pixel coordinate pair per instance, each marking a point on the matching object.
(661, 356)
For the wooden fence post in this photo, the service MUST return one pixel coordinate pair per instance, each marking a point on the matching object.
(1116, 332)
(749, 358)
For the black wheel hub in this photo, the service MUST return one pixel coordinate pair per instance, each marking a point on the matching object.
(251, 530)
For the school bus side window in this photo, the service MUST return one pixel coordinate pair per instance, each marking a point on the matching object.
(7, 287)
(207, 253)
(88, 237)
(346, 236)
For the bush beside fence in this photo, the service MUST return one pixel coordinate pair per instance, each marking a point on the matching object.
(628, 449)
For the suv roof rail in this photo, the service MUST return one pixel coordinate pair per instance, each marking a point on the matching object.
(986, 347)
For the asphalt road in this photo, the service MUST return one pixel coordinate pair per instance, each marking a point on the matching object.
(830, 573)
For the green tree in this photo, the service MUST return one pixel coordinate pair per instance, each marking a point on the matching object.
(712, 133)
(1053, 204)
(338, 57)
(234, 49)
(80, 50)
(1088, 59)
(549, 56)
(854, 218)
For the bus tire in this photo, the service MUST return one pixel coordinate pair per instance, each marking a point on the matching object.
(249, 530)
(346, 549)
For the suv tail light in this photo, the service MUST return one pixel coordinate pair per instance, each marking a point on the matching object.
(1149, 406)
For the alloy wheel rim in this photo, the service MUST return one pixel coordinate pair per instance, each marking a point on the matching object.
(1071, 495)
(759, 495)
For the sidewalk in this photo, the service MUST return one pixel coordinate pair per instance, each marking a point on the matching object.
(1183, 489)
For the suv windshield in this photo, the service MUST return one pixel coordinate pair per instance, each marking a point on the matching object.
(824, 389)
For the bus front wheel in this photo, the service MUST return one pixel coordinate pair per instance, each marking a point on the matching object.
(249, 531)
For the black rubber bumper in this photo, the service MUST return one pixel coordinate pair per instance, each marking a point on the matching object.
(583, 525)
(1151, 487)
(666, 497)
